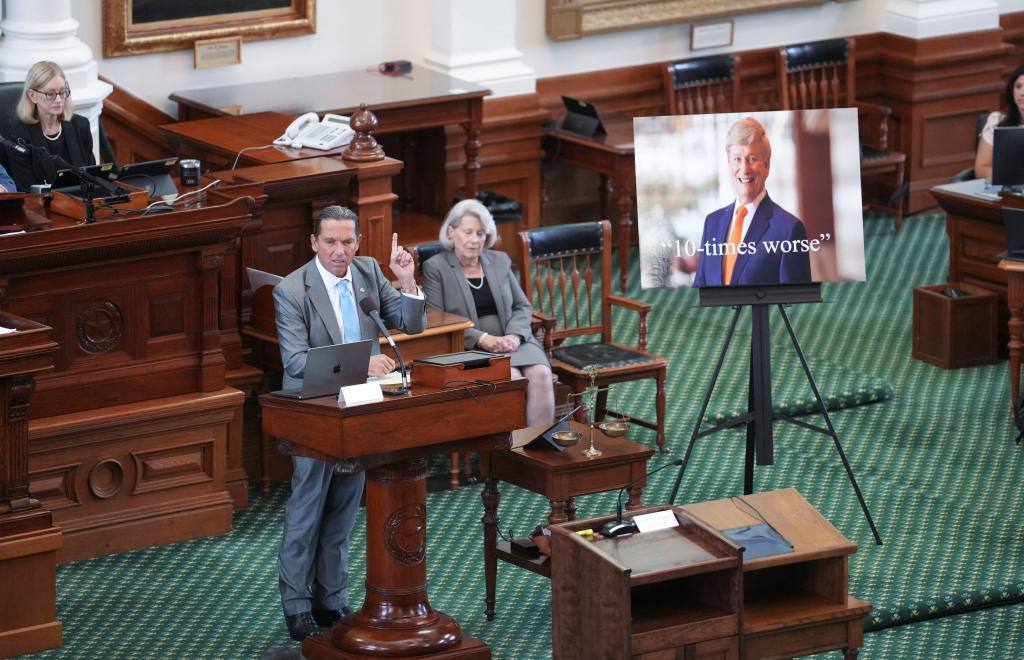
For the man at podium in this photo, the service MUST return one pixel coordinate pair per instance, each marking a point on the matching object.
(318, 305)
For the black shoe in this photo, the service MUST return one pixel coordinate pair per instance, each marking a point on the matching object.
(301, 625)
(327, 618)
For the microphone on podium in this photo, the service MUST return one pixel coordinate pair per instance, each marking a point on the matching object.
(370, 309)
(618, 527)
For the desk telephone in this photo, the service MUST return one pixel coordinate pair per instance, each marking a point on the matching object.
(309, 131)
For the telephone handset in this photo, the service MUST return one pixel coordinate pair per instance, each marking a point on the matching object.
(309, 131)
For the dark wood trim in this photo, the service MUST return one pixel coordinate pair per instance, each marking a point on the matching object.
(132, 126)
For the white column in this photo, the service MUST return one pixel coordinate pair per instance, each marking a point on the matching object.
(36, 30)
(476, 41)
(921, 19)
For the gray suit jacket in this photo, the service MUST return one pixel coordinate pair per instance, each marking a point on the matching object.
(445, 288)
(305, 318)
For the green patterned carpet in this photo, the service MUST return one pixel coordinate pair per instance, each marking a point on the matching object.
(935, 460)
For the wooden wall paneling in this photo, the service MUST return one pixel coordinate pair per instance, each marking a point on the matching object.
(1012, 25)
(136, 310)
(136, 475)
(28, 539)
(510, 161)
(936, 88)
(633, 89)
(132, 125)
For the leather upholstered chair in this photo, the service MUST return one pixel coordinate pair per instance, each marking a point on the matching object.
(565, 271)
(702, 85)
(822, 74)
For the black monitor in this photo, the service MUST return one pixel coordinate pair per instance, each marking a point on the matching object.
(1008, 156)
(581, 118)
(153, 176)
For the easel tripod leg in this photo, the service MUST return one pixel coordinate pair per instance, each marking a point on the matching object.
(831, 429)
(704, 405)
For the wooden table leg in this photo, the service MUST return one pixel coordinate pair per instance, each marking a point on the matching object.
(570, 508)
(604, 192)
(558, 513)
(1015, 301)
(491, 496)
(624, 205)
(472, 145)
(635, 500)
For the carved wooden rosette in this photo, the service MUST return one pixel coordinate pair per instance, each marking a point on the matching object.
(363, 148)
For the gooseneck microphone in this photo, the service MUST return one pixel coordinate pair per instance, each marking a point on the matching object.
(17, 146)
(618, 527)
(370, 309)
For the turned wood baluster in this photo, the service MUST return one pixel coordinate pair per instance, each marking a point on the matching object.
(576, 287)
(835, 89)
(563, 289)
(588, 277)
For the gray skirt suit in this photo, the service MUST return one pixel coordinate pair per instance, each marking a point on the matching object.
(446, 288)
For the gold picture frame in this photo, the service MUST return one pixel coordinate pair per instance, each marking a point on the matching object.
(572, 19)
(124, 35)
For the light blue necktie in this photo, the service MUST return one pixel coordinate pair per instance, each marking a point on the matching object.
(349, 318)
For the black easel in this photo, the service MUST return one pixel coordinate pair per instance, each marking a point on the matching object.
(760, 415)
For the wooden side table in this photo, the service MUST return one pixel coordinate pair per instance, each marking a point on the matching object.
(560, 477)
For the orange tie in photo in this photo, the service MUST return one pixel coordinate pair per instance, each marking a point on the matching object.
(735, 235)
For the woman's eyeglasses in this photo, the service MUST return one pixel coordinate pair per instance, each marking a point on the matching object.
(50, 96)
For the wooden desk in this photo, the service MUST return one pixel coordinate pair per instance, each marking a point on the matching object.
(611, 156)
(422, 99)
(218, 140)
(560, 477)
(1014, 269)
(794, 603)
(135, 439)
(391, 439)
(976, 237)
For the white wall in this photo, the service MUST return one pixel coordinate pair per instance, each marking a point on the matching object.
(397, 29)
(386, 30)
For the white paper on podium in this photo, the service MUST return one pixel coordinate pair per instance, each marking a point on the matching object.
(357, 395)
(650, 522)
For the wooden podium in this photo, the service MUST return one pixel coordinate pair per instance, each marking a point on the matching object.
(670, 593)
(391, 440)
(29, 541)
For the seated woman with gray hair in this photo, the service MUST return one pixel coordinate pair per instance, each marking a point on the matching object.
(471, 280)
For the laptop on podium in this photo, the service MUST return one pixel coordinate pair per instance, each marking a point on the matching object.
(329, 368)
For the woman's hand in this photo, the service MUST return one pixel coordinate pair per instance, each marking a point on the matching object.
(503, 344)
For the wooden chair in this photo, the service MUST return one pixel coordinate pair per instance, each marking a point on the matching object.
(702, 85)
(565, 271)
(822, 74)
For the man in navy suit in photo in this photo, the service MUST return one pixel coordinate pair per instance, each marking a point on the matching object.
(735, 244)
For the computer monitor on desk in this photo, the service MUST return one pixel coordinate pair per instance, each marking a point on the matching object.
(1008, 158)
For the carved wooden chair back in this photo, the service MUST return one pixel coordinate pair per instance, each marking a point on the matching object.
(820, 74)
(565, 271)
(702, 85)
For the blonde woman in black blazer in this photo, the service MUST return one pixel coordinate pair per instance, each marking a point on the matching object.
(44, 118)
(471, 280)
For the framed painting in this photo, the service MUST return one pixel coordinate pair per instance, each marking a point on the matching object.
(132, 27)
(572, 19)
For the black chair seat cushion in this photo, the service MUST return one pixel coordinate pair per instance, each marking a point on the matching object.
(603, 356)
(871, 153)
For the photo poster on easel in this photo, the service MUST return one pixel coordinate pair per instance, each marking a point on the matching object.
(797, 175)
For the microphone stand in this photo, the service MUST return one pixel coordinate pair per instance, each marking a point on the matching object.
(88, 181)
(370, 309)
(618, 527)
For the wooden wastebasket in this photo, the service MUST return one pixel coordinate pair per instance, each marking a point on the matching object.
(955, 331)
